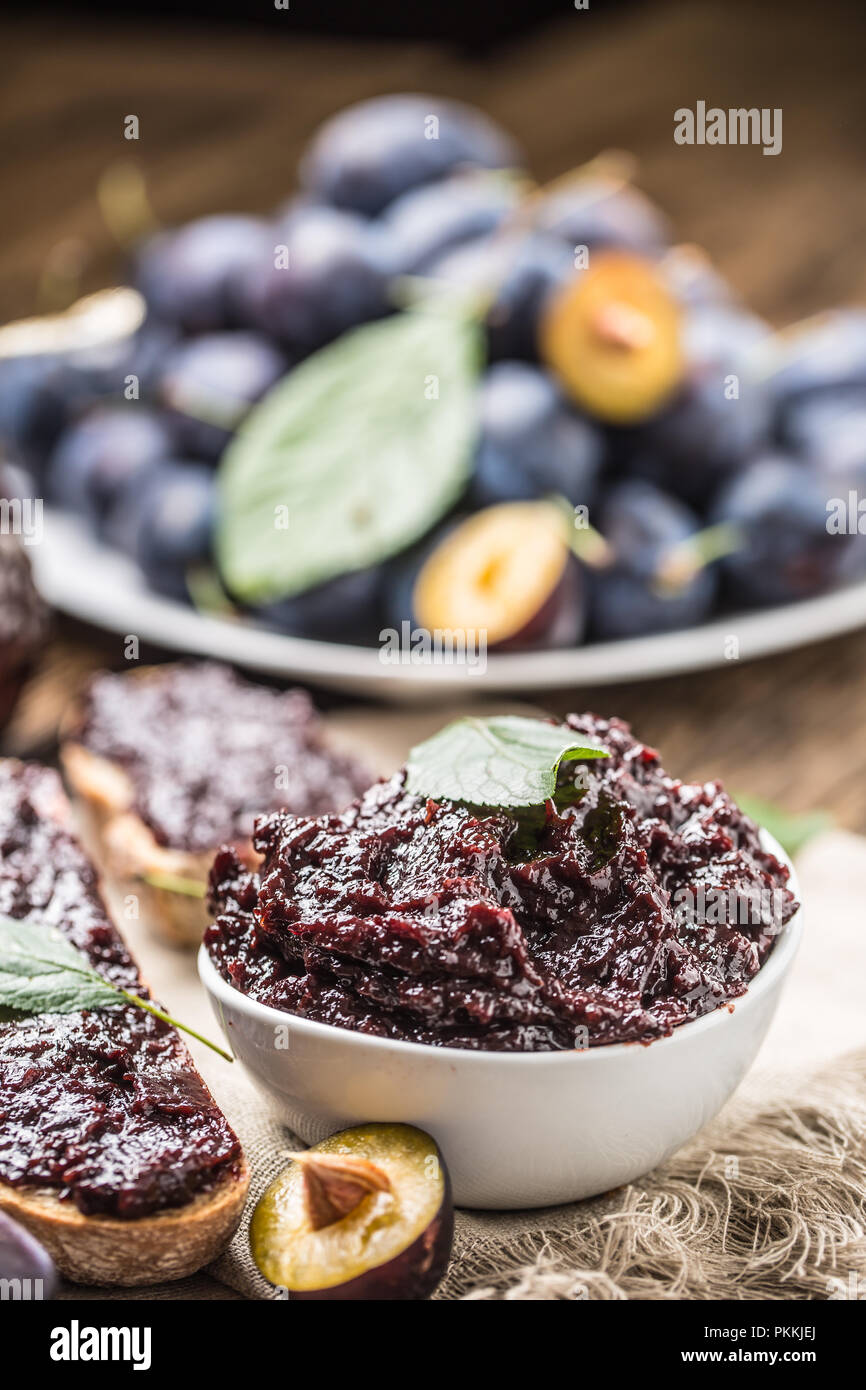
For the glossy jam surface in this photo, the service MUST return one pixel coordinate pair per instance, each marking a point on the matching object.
(104, 1106)
(207, 751)
(626, 909)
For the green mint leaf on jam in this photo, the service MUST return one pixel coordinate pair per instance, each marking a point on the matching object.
(791, 829)
(353, 456)
(507, 761)
(41, 972)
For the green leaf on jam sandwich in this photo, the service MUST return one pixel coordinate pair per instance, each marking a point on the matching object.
(353, 456)
(506, 761)
(41, 972)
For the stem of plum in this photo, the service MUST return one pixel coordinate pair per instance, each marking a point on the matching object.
(684, 561)
(584, 541)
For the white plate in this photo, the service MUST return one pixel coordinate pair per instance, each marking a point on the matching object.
(88, 580)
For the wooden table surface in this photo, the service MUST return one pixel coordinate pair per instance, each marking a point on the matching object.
(224, 114)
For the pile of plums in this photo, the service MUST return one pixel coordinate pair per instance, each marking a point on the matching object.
(648, 451)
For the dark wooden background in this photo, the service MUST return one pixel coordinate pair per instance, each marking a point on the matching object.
(224, 114)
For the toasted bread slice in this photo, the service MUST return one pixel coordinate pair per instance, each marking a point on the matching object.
(152, 1250)
(129, 850)
(134, 738)
(190, 1184)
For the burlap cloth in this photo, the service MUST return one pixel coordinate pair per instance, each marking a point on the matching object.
(769, 1201)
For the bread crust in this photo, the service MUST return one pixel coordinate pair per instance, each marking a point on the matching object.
(129, 851)
(148, 1250)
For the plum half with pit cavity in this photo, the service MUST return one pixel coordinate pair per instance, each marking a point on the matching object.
(613, 337)
(507, 573)
(367, 1214)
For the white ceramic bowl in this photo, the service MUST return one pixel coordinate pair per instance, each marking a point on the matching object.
(516, 1129)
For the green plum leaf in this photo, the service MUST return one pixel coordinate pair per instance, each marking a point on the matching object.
(357, 453)
(505, 761)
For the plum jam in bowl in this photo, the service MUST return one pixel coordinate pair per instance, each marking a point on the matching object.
(518, 1129)
(531, 942)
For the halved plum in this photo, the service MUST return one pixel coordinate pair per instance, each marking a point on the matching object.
(612, 335)
(365, 1215)
(508, 572)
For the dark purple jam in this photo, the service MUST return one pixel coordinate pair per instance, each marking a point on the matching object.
(105, 1106)
(621, 910)
(207, 752)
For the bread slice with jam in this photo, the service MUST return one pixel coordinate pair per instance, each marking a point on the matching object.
(172, 762)
(113, 1152)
